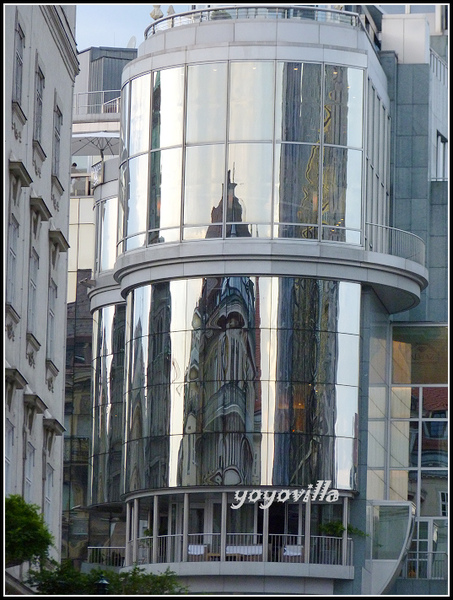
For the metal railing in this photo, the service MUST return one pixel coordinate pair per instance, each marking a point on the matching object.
(425, 565)
(98, 102)
(389, 240)
(112, 556)
(245, 547)
(264, 11)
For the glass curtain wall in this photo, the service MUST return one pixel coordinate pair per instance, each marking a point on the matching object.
(241, 381)
(242, 149)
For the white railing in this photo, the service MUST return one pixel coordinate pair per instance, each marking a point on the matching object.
(264, 11)
(245, 547)
(425, 565)
(100, 102)
(388, 240)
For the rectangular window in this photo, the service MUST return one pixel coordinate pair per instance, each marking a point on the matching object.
(19, 44)
(51, 320)
(57, 123)
(32, 291)
(443, 499)
(38, 105)
(29, 469)
(48, 487)
(442, 157)
(13, 237)
(9, 459)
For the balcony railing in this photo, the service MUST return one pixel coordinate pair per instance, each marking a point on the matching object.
(111, 556)
(245, 547)
(388, 240)
(253, 12)
(425, 565)
(99, 102)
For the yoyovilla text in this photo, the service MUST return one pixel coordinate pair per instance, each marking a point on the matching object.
(320, 492)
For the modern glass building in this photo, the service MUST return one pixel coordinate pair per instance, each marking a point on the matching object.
(269, 365)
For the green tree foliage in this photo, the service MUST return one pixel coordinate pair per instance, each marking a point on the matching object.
(63, 579)
(27, 537)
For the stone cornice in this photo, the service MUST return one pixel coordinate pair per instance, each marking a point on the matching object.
(63, 38)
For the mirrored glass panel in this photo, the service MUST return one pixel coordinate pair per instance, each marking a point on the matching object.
(165, 193)
(140, 109)
(342, 188)
(203, 189)
(249, 186)
(108, 215)
(343, 106)
(124, 129)
(297, 188)
(206, 103)
(167, 108)
(298, 102)
(251, 114)
(137, 196)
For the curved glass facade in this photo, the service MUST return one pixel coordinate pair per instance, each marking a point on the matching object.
(108, 380)
(266, 149)
(241, 381)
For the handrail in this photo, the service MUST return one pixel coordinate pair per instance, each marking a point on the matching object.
(396, 242)
(253, 11)
(97, 102)
(425, 565)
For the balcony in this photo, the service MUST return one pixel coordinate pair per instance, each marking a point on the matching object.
(232, 553)
(425, 565)
(296, 13)
(97, 103)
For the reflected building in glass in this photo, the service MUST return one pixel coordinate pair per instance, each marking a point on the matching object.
(268, 308)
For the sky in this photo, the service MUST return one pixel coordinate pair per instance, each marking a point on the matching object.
(114, 25)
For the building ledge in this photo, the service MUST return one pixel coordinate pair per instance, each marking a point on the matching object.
(397, 281)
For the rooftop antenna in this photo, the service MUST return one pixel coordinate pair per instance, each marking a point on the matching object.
(132, 42)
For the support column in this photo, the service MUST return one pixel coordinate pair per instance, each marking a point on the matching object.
(127, 553)
(223, 526)
(134, 531)
(185, 527)
(265, 533)
(344, 541)
(307, 531)
(155, 527)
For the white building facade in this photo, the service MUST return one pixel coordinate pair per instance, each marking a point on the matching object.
(40, 54)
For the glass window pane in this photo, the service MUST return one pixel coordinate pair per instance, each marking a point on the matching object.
(251, 101)
(342, 188)
(434, 444)
(404, 403)
(403, 443)
(203, 192)
(432, 483)
(298, 102)
(167, 111)
(137, 195)
(206, 103)
(124, 130)
(140, 108)
(249, 185)
(165, 192)
(420, 355)
(108, 217)
(435, 403)
(343, 106)
(296, 186)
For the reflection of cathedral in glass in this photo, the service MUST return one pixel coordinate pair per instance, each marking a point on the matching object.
(221, 385)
